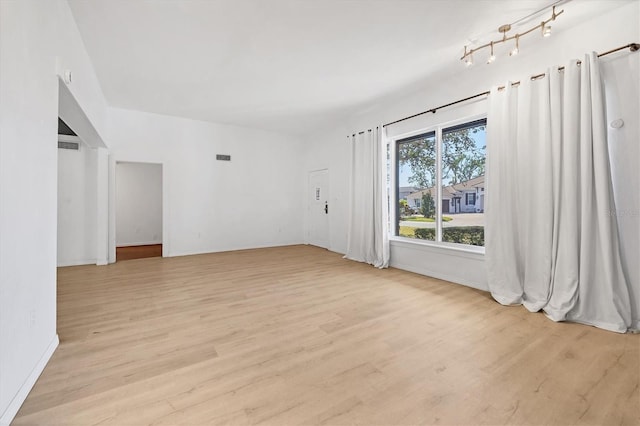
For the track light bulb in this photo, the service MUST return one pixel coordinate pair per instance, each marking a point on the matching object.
(546, 30)
(516, 49)
(467, 57)
(468, 60)
(492, 57)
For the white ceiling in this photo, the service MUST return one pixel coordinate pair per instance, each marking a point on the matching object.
(284, 65)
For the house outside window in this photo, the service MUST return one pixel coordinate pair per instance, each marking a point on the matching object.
(445, 165)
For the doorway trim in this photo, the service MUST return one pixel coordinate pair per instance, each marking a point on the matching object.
(113, 160)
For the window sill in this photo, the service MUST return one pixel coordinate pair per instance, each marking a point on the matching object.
(448, 248)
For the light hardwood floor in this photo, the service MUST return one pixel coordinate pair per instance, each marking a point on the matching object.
(297, 335)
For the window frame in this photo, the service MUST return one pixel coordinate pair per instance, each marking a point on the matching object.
(393, 147)
(396, 174)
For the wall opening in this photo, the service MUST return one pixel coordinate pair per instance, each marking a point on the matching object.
(77, 199)
(138, 215)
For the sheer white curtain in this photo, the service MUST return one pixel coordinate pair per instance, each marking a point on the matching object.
(552, 240)
(368, 237)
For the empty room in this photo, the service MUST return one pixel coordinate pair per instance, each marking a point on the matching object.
(302, 212)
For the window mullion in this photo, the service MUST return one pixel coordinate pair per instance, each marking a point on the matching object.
(394, 189)
(439, 184)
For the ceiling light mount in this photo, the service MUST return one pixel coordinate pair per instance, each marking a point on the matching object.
(544, 27)
(504, 29)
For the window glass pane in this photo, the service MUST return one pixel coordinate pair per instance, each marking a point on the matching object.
(416, 176)
(463, 162)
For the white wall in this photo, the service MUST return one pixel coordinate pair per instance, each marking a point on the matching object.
(83, 107)
(328, 148)
(37, 40)
(77, 206)
(623, 102)
(255, 200)
(138, 204)
(28, 144)
(85, 88)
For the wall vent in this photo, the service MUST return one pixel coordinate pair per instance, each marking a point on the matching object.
(222, 157)
(68, 145)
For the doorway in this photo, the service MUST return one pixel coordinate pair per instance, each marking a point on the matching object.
(318, 208)
(138, 215)
(456, 205)
(445, 206)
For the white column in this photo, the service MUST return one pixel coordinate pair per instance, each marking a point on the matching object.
(102, 210)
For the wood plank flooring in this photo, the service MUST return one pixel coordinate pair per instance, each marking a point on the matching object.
(138, 252)
(299, 336)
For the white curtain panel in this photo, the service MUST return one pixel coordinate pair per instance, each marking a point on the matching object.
(551, 238)
(368, 237)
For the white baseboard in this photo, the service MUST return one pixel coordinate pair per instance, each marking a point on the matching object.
(7, 417)
(440, 276)
(427, 273)
(76, 262)
(338, 251)
(232, 248)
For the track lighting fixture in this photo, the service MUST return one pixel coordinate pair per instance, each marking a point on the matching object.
(544, 26)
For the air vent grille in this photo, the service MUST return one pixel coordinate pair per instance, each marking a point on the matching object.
(68, 145)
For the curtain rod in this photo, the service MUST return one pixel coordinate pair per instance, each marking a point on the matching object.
(633, 47)
(360, 133)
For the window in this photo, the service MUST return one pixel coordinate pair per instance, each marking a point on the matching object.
(446, 166)
(471, 198)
